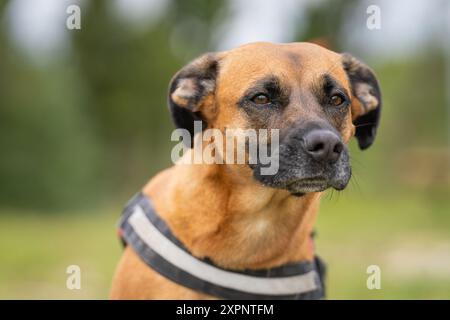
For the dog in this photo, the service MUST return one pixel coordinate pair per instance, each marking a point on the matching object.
(229, 219)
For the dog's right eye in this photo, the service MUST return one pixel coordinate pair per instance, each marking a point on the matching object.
(337, 100)
(260, 98)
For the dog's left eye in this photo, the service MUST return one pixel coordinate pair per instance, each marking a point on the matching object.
(337, 100)
(261, 99)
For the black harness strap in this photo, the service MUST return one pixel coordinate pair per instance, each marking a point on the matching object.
(142, 229)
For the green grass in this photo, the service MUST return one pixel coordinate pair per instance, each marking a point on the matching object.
(35, 251)
(407, 236)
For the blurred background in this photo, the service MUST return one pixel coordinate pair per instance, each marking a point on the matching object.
(84, 124)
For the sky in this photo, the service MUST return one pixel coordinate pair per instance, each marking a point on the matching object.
(407, 25)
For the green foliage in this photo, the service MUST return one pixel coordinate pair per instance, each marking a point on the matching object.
(94, 124)
(47, 150)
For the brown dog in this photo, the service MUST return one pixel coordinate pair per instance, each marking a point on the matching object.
(231, 214)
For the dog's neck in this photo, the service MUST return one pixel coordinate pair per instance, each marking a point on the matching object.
(221, 212)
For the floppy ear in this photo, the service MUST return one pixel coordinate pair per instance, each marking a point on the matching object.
(366, 104)
(191, 91)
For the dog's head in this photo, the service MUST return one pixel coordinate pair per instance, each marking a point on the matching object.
(318, 99)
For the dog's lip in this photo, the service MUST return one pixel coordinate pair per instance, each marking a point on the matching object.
(309, 181)
(304, 185)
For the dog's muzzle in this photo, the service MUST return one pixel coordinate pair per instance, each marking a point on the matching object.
(311, 159)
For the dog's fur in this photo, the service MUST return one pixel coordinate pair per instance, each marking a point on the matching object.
(229, 213)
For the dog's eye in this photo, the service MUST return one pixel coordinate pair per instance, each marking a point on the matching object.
(260, 99)
(337, 100)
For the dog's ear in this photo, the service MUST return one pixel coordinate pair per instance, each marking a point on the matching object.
(366, 104)
(191, 92)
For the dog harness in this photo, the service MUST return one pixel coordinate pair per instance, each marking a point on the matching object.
(142, 229)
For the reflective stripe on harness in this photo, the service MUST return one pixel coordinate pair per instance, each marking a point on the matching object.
(150, 237)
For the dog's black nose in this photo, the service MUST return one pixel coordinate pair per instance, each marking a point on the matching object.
(323, 145)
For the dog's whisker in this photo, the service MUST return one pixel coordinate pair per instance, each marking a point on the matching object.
(365, 124)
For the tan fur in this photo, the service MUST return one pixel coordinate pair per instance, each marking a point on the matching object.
(220, 211)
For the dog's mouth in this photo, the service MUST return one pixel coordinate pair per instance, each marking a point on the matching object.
(303, 186)
(299, 173)
(298, 184)
(306, 185)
